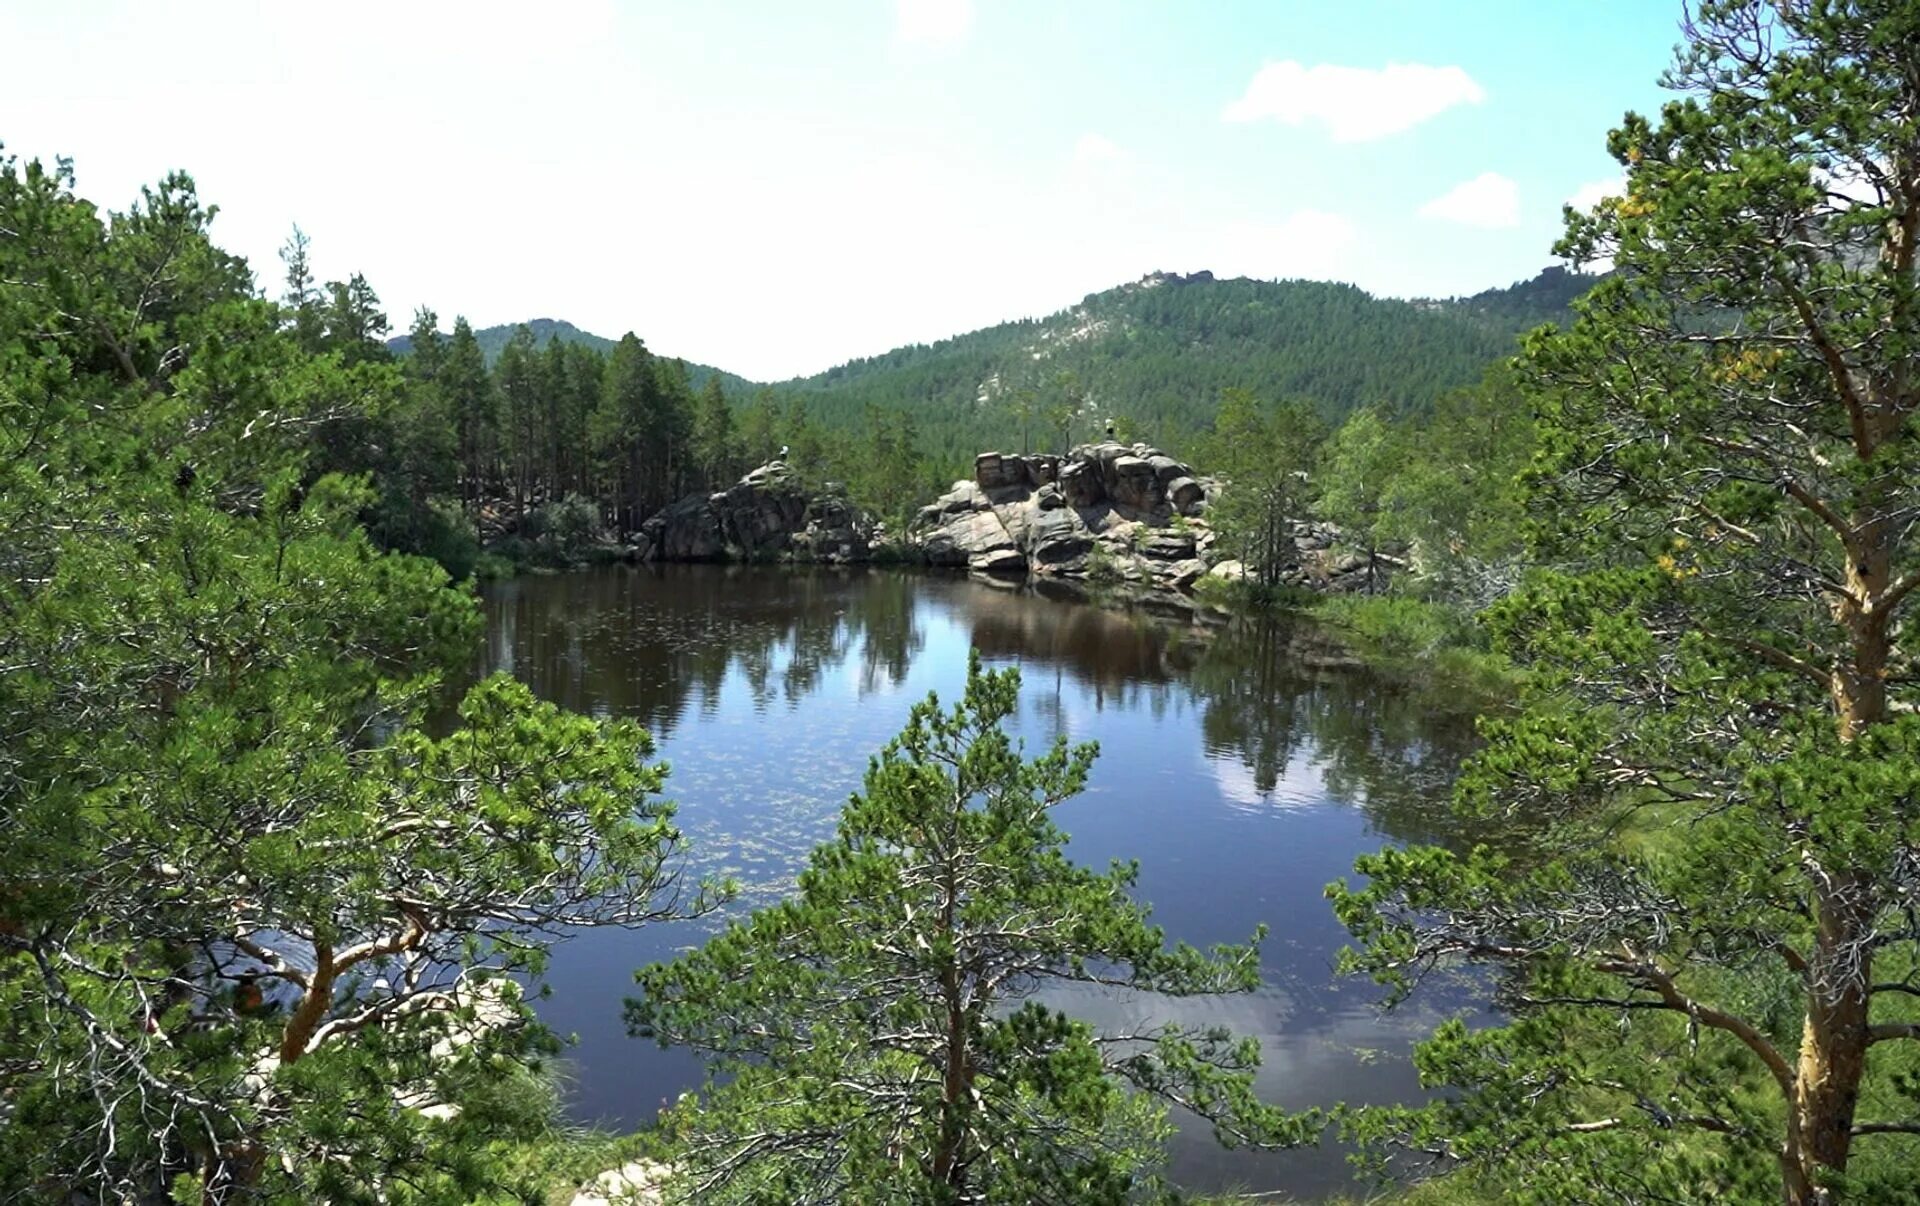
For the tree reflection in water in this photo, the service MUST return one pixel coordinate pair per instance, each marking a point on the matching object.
(1245, 762)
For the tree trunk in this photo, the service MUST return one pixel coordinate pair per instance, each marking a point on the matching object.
(1834, 1034)
(957, 1087)
(1833, 1045)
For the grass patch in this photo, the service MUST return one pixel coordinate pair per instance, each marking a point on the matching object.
(1428, 645)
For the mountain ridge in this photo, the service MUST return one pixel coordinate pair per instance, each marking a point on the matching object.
(1155, 354)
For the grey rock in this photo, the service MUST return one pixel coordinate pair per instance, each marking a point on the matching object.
(1047, 515)
(996, 472)
(1183, 574)
(1165, 468)
(964, 537)
(1081, 484)
(1006, 560)
(1166, 544)
(1057, 537)
(1132, 483)
(766, 513)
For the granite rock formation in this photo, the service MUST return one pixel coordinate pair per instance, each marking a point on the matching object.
(1103, 511)
(768, 515)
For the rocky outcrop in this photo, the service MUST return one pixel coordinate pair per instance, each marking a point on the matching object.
(765, 516)
(1129, 516)
(1103, 511)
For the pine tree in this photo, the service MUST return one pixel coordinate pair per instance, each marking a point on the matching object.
(713, 436)
(879, 1037)
(474, 408)
(1723, 1009)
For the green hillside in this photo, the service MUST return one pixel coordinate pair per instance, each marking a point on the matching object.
(492, 339)
(1154, 356)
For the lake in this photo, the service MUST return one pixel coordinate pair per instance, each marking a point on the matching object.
(1242, 763)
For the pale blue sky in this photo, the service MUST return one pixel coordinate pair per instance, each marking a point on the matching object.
(776, 187)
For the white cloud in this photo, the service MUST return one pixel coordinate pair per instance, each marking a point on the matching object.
(934, 21)
(1095, 148)
(1591, 194)
(1355, 104)
(1489, 201)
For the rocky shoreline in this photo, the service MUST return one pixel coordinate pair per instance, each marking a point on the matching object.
(1105, 514)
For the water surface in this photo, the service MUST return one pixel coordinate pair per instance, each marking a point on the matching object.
(1240, 764)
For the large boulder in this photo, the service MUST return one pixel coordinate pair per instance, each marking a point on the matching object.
(1165, 469)
(1046, 515)
(976, 539)
(765, 515)
(1059, 540)
(996, 472)
(1131, 482)
(687, 530)
(1080, 482)
(1185, 494)
(1166, 544)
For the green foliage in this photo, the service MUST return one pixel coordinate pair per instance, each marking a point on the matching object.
(1159, 354)
(882, 1033)
(1456, 493)
(563, 532)
(1363, 460)
(1267, 455)
(244, 892)
(1709, 943)
(548, 331)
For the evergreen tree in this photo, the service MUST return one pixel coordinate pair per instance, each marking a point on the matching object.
(713, 437)
(1268, 457)
(246, 900)
(669, 436)
(585, 374)
(522, 411)
(1724, 1008)
(302, 297)
(760, 430)
(473, 407)
(355, 326)
(629, 408)
(879, 1036)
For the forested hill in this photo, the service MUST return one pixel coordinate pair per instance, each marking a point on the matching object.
(1155, 355)
(493, 339)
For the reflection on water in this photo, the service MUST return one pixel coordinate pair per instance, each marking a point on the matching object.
(1241, 763)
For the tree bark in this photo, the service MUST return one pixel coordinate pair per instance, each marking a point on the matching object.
(1833, 1043)
(311, 1010)
(1834, 1034)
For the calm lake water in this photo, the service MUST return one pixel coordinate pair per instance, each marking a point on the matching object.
(1240, 767)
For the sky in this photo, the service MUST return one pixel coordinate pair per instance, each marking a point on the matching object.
(776, 187)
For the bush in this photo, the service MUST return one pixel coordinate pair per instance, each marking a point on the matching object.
(439, 530)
